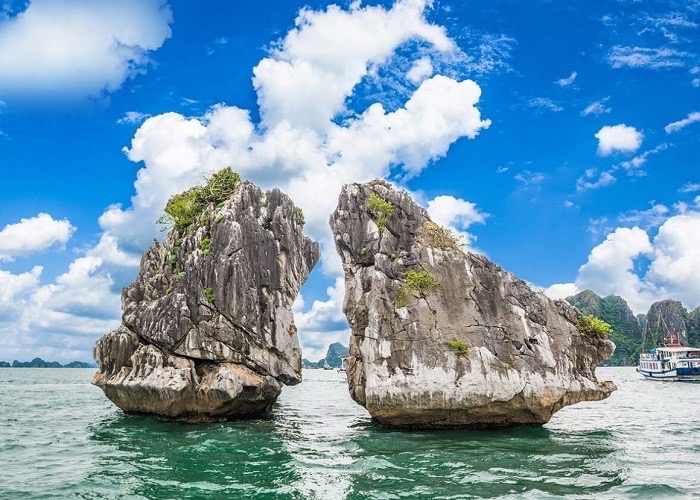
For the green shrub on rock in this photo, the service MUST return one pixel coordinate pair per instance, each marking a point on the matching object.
(183, 209)
(220, 186)
(419, 283)
(206, 246)
(592, 326)
(459, 347)
(380, 209)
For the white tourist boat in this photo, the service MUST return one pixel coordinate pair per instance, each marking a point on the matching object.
(672, 362)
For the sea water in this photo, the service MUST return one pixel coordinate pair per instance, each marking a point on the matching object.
(61, 438)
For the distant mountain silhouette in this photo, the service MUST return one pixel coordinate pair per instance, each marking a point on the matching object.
(335, 351)
(40, 363)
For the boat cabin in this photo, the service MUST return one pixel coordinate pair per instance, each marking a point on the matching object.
(670, 362)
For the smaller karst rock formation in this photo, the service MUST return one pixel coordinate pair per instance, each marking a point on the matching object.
(207, 328)
(443, 338)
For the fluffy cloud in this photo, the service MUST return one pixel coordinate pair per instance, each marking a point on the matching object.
(610, 268)
(33, 235)
(456, 214)
(675, 267)
(59, 320)
(420, 70)
(680, 124)
(84, 291)
(78, 46)
(615, 265)
(316, 66)
(308, 142)
(13, 290)
(621, 138)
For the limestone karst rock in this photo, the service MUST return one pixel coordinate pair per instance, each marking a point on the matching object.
(667, 318)
(207, 328)
(442, 338)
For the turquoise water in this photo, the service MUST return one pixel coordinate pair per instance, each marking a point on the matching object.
(61, 438)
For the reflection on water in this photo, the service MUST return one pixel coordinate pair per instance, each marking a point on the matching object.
(62, 438)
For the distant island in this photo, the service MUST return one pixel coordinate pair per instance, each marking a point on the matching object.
(40, 363)
(332, 359)
(634, 334)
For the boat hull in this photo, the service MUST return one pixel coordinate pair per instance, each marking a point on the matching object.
(676, 375)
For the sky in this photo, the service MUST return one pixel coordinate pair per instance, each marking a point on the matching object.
(560, 139)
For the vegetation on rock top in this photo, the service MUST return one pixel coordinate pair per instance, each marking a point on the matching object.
(592, 326)
(183, 209)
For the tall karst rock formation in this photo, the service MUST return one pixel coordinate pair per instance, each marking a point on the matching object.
(443, 338)
(207, 328)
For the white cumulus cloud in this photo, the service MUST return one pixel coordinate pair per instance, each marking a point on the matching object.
(673, 255)
(32, 235)
(316, 66)
(420, 70)
(456, 214)
(13, 290)
(79, 47)
(623, 138)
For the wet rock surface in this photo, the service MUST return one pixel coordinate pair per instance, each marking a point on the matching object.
(442, 338)
(207, 327)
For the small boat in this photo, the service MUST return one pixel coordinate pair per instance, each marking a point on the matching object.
(670, 361)
(673, 363)
(344, 367)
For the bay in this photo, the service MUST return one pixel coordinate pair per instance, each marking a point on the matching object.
(61, 438)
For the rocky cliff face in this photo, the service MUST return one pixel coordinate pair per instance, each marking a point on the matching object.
(664, 318)
(443, 338)
(207, 329)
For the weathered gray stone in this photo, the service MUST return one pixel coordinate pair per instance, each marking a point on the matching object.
(207, 327)
(526, 359)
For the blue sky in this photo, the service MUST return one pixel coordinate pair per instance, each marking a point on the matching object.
(576, 166)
